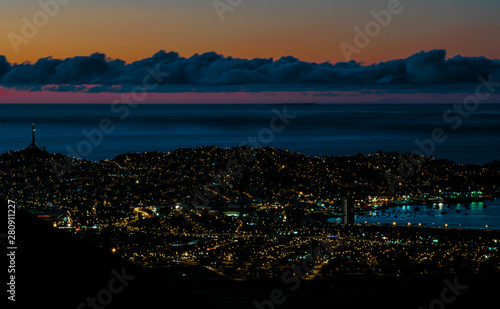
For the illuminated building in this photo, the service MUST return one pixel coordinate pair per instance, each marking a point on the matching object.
(347, 211)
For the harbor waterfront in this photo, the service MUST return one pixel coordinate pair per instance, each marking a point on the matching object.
(228, 154)
(315, 131)
(247, 215)
(475, 215)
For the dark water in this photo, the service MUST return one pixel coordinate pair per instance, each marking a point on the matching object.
(477, 216)
(339, 129)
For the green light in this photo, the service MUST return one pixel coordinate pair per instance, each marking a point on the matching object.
(435, 241)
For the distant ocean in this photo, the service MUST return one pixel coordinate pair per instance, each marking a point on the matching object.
(318, 130)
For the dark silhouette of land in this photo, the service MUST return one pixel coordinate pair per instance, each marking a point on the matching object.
(55, 269)
(63, 269)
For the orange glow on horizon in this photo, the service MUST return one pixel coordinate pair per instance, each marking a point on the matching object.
(310, 31)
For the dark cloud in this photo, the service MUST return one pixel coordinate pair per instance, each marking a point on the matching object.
(424, 68)
(4, 66)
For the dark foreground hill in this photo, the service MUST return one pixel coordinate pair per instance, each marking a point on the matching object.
(54, 269)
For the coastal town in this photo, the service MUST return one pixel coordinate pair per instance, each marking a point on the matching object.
(251, 213)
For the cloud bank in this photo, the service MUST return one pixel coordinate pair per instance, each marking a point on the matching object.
(97, 73)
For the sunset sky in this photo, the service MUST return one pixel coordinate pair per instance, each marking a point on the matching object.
(311, 30)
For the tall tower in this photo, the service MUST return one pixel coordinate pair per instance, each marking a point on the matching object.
(33, 144)
(347, 211)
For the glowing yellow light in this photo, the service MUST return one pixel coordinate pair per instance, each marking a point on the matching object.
(409, 223)
(113, 250)
(55, 224)
(393, 223)
(446, 225)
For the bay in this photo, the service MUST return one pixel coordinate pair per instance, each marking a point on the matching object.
(310, 129)
(477, 217)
